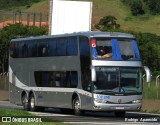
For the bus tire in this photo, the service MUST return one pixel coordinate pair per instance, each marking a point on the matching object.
(25, 102)
(32, 105)
(119, 113)
(76, 107)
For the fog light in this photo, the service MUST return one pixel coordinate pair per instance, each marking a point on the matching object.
(139, 108)
(137, 101)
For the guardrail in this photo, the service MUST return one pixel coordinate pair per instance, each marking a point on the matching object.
(26, 18)
(157, 81)
(4, 74)
(157, 85)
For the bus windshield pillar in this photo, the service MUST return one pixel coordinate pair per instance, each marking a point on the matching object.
(93, 73)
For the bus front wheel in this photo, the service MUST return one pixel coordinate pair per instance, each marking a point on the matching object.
(77, 106)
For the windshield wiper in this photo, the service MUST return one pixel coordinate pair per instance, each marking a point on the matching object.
(104, 91)
(133, 91)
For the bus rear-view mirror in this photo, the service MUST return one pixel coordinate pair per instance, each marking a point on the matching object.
(148, 74)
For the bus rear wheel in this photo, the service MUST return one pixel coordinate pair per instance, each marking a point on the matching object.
(32, 105)
(25, 102)
(77, 106)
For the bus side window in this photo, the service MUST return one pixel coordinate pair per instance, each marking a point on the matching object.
(42, 49)
(61, 47)
(72, 46)
(57, 79)
(16, 50)
(21, 44)
(34, 48)
(25, 50)
(38, 78)
(51, 79)
(29, 49)
(52, 47)
(11, 49)
(74, 79)
(84, 47)
(64, 79)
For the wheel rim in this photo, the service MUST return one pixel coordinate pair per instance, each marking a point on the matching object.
(32, 103)
(77, 105)
(24, 101)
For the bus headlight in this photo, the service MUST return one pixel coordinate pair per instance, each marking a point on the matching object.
(137, 101)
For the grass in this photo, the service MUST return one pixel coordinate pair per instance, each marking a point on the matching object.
(150, 91)
(25, 114)
(42, 6)
(4, 112)
(151, 98)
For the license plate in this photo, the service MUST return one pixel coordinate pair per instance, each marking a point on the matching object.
(119, 107)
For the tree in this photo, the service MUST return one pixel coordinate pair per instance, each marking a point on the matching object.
(126, 2)
(136, 7)
(149, 45)
(107, 23)
(15, 31)
(154, 6)
(16, 3)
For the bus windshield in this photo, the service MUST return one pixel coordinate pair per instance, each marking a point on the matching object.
(116, 80)
(114, 49)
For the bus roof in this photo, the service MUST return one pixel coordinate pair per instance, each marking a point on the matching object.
(88, 34)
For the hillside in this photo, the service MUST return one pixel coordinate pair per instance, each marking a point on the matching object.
(101, 8)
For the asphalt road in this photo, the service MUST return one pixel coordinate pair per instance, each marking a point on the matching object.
(93, 118)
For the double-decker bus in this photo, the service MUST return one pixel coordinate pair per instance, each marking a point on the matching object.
(95, 71)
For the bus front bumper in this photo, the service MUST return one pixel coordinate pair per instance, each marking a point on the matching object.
(117, 107)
